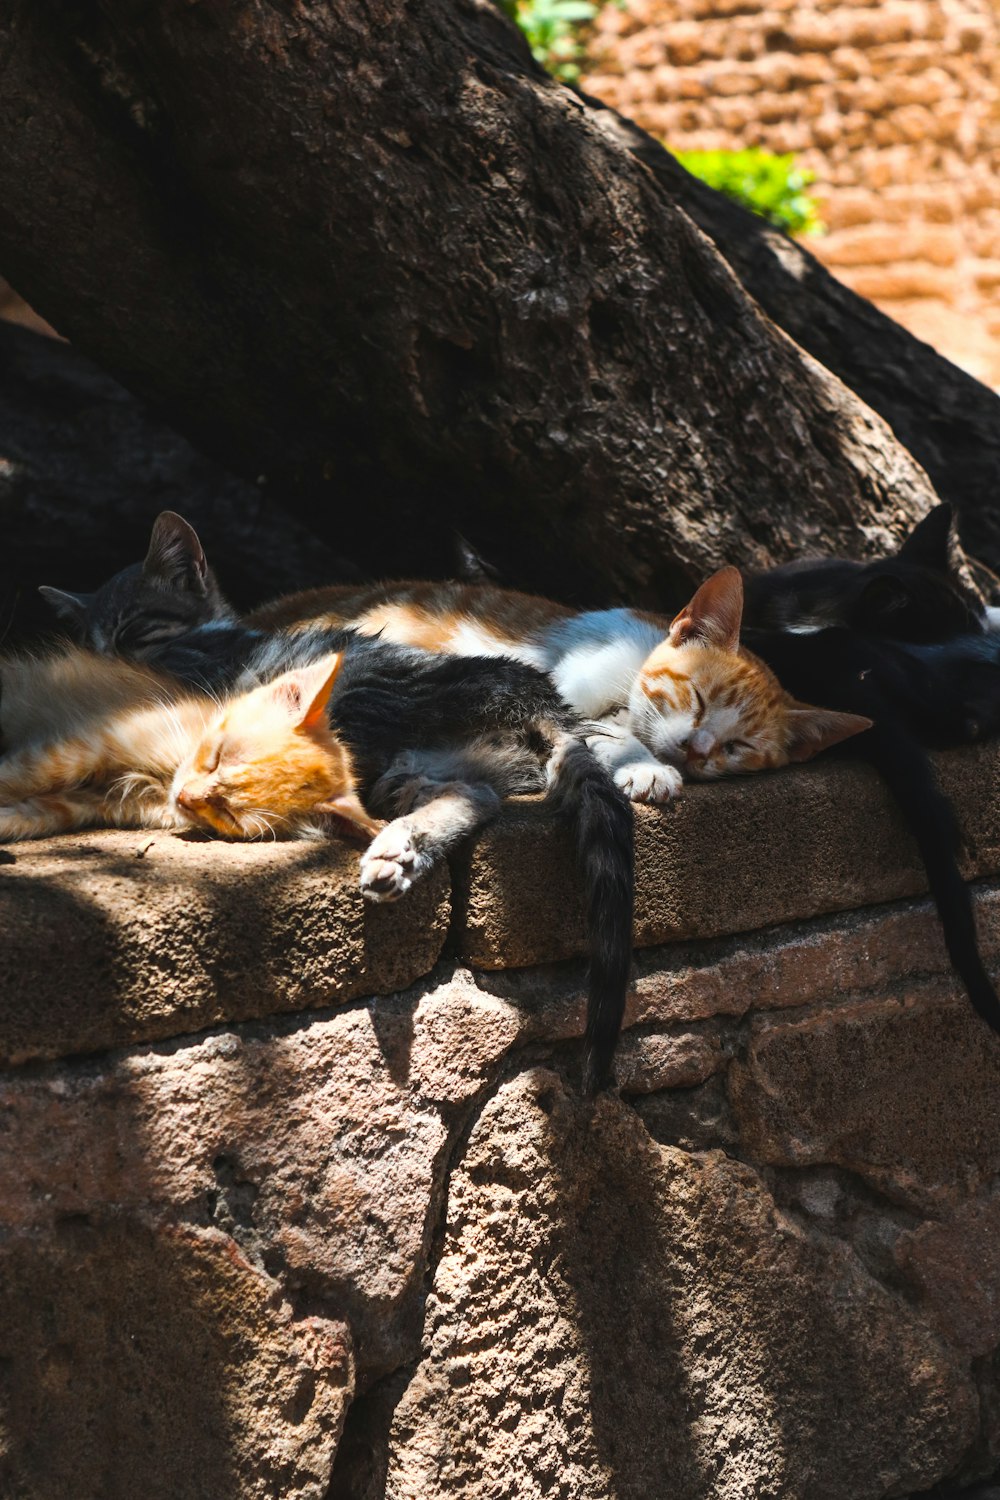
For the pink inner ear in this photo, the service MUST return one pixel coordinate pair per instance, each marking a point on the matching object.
(320, 685)
(305, 692)
(814, 729)
(348, 809)
(714, 614)
(287, 693)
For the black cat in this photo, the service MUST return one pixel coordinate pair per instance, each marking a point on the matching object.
(913, 595)
(914, 651)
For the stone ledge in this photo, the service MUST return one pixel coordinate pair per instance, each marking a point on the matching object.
(724, 858)
(117, 937)
(772, 1256)
(113, 937)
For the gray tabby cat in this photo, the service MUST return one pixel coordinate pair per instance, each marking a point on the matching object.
(172, 591)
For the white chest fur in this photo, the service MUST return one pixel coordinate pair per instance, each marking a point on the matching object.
(594, 658)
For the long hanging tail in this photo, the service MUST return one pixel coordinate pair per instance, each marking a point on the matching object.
(583, 794)
(881, 680)
(908, 773)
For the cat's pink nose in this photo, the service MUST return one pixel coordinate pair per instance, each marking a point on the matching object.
(188, 801)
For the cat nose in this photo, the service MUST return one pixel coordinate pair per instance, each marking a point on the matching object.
(188, 801)
(699, 744)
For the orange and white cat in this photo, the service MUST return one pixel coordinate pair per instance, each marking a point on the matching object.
(662, 696)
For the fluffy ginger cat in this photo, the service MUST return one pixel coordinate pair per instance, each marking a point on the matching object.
(661, 696)
(98, 742)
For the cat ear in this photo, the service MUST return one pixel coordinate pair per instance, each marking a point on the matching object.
(348, 808)
(175, 554)
(714, 614)
(69, 606)
(811, 730)
(927, 543)
(470, 567)
(304, 693)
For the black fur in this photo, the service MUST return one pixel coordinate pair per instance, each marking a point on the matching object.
(388, 699)
(912, 596)
(601, 820)
(915, 696)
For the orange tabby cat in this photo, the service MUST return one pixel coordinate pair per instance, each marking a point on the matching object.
(131, 730)
(663, 695)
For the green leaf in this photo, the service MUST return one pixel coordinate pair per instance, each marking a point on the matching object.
(769, 185)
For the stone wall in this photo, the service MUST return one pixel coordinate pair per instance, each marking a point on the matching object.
(894, 104)
(298, 1197)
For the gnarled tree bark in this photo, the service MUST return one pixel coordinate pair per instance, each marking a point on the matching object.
(372, 254)
(948, 420)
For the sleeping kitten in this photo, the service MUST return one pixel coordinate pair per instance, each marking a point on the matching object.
(172, 591)
(120, 767)
(661, 695)
(914, 595)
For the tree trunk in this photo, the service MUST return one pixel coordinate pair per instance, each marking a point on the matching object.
(371, 253)
(949, 421)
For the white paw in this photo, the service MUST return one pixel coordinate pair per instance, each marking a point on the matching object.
(391, 864)
(648, 781)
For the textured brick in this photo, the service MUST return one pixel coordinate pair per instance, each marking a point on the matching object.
(897, 98)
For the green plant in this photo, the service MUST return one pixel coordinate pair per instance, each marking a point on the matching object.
(553, 30)
(772, 186)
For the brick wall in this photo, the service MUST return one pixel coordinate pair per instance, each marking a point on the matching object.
(894, 105)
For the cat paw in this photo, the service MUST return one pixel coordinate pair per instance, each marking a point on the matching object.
(648, 781)
(391, 864)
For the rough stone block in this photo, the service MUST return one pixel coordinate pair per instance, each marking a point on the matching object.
(156, 1361)
(728, 857)
(853, 1089)
(607, 1312)
(955, 1265)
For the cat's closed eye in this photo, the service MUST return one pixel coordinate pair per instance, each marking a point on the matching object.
(212, 757)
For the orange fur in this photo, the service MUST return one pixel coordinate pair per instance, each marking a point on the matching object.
(269, 762)
(412, 613)
(264, 763)
(742, 718)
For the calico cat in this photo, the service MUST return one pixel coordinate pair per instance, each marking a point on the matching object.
(147, 603)
(661, 695)
(323, 725)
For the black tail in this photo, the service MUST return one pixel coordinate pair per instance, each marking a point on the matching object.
(907, 771)
(600, 816)
(906, 698)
